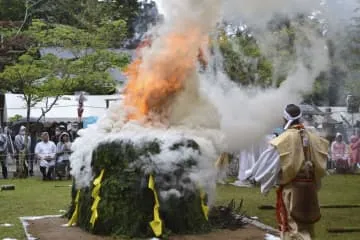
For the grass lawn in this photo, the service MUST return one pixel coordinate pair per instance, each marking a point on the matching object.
(336, 189)
(33, 197)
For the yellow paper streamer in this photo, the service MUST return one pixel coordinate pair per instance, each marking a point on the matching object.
(75, 215)
(95, 195)
(156, 224)
(94, 214)
(204, 207)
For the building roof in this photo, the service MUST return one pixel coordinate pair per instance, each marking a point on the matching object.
(311, 109)
(64, 53)
(340, 114)
(65, 108)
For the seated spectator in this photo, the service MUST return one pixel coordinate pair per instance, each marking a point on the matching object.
(340, 154)
(46, 152)
(63, 151)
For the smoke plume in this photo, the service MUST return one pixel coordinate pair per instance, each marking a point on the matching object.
(244, 116)
(202, 105)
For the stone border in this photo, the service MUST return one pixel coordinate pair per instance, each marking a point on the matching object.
(272, 232)
(262, 226)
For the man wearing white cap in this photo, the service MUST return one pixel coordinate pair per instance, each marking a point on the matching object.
(296, 162)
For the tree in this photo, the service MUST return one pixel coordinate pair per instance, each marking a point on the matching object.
(75, 39)
(59, 11)
(127, 10)
(35, 79)
(89, 14)
(90, 72)
(243, 61)
(88, 67)
(351, 54)
(13, 10)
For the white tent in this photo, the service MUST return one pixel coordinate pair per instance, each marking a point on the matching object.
(65, 108)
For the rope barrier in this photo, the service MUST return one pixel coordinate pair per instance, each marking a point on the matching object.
(64, 106)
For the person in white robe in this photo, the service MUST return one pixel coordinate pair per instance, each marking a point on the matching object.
(247, 160)
(46, 153)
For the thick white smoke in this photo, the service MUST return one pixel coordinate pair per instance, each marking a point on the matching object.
(216, 113)
(257, 13)
(244, 116)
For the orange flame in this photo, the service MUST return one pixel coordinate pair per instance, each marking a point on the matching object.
(154, 84)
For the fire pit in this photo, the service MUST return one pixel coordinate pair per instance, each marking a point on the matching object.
(137, 194)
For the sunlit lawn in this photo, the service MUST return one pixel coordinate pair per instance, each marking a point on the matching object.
(33, 197)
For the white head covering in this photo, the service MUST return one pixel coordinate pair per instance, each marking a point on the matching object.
(338, 134)
(290, 119)
(22, 130)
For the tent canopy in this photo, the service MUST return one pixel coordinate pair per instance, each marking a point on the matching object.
(65, 108)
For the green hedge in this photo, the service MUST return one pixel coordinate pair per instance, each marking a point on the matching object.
(126, 205)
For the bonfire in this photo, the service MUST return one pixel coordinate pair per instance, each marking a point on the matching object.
(138, 173)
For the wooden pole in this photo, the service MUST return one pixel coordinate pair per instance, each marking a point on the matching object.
(7, 187)
(344, 230)
(270, 207)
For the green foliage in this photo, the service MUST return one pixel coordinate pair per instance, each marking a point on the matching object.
(246, 64)
(35, 78)
(126, 205)
(29, 76)
(59, 11)
(7, 32)
(243, 61)
(12, 10)
(90, 72)
(89, 14)
(15, 118)
(106, 35)
(87, 71)
(351, 53)
(320, 90)
(127, 10)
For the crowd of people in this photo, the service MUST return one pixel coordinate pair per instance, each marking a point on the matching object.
(345, 157)
(50, 149)
(342, 158)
